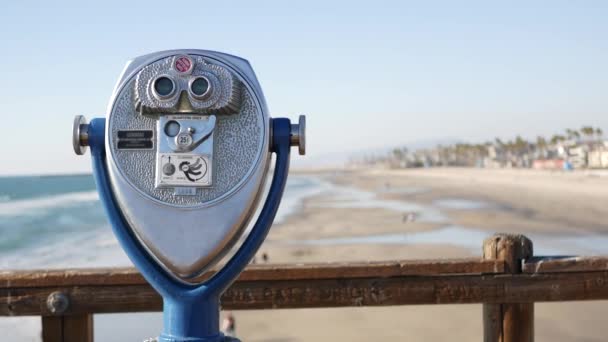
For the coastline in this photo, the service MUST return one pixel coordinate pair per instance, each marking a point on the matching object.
(544, 205)
(375, 215)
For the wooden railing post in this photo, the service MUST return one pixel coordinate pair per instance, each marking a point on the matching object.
(508, 322)
(75, 328)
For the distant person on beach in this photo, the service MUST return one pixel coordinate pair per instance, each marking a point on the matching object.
(229, 325)
(408, 217)
(265, 257)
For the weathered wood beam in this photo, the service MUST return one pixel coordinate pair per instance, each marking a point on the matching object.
(312, 293)
(565, 264)
(130, 276)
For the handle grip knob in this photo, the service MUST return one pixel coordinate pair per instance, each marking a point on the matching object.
(80, 135)
(298, 135)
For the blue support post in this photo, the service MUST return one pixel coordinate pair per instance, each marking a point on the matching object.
(191, 311)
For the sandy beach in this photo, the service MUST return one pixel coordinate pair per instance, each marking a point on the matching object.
(371, 215)
(336, 225)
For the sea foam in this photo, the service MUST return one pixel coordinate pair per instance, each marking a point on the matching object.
(24, 207)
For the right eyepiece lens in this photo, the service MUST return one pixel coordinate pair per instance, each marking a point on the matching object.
(200, 86)
(172, 128)
(163, 86)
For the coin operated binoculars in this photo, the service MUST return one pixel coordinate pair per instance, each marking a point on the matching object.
(180, 163)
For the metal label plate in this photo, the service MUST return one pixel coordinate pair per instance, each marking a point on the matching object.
(135, 140)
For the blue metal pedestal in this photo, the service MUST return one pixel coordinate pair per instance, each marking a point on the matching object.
(191, 311)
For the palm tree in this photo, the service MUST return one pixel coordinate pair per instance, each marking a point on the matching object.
(599, 133)
(572, 134)
(520, 145)
(557, 139)
(541, 147)
(541, 142)
(569, 133)
(587, 131)
(397, 154)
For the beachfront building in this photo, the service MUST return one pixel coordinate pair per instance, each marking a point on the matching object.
(580, 149)
(597, 158)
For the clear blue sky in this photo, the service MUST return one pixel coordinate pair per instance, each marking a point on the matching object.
(368, 74)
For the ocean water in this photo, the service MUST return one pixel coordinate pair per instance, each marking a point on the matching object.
(58, 221)
(40, 215)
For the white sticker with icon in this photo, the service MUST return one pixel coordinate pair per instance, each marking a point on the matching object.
(180, 169)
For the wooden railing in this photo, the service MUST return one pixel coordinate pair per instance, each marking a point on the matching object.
(507, 280)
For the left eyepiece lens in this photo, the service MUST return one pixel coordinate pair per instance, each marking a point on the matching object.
(164, 86)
